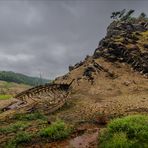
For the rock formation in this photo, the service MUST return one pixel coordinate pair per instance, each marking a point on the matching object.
(123, 43)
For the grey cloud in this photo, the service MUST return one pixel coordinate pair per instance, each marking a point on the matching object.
(48, 36)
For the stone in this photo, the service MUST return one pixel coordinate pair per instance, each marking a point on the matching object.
(71, 68)
(127, 83)
(145, 45)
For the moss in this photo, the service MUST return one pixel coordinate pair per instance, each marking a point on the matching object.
(143, 40)
(5, 97)
(118, 39)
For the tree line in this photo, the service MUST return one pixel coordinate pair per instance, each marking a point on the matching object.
(9, 76)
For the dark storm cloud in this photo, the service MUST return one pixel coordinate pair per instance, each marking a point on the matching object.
(48, 36)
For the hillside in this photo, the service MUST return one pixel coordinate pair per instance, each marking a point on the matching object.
(114, 80)
(10, 76)
(111, 83)
(8, 90)
(12, 88)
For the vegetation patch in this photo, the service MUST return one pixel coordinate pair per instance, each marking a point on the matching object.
(56, 131)
(5, 97)
(31, 116)
(20, 138)
(126, 132)
(10, 76)
(13, 128)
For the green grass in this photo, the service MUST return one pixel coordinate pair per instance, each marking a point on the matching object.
(13, 128)
(23, 137)
(5, 97)
(31, 116)
(56, 131)
(126, 132)
(20, 138)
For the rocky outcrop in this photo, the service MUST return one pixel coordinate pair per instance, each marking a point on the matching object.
(75, 66)
(119, 27)
(126, 42)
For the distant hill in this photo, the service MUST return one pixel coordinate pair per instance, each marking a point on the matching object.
(10, 76)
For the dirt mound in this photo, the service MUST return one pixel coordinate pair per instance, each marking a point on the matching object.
(114, 80)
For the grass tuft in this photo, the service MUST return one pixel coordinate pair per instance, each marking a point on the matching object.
(56, 131)
(13, 128)
(5, 97)
(20, 138)
(31, 116)
(126, 132)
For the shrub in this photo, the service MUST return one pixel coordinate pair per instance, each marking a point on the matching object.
(130, 131)
(117, 140)
(56, 131)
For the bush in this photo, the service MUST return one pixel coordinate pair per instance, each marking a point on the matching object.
(126, 132)
(117, 140)
(56, 131)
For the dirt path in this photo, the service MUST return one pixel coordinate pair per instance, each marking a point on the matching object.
(85, 136)
(87, 140)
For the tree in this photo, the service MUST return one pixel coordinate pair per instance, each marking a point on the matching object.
(115, 14)
(127, 15)
(142, 15)
(122, 13)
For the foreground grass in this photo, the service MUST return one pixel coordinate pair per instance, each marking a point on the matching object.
(56, 131)
(31, 116)
(20, 138)
(5, 97)
(126, 132)
(13, 128)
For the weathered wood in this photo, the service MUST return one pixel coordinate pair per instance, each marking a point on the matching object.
(52, 96)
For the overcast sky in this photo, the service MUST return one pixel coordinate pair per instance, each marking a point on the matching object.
(47, 36)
